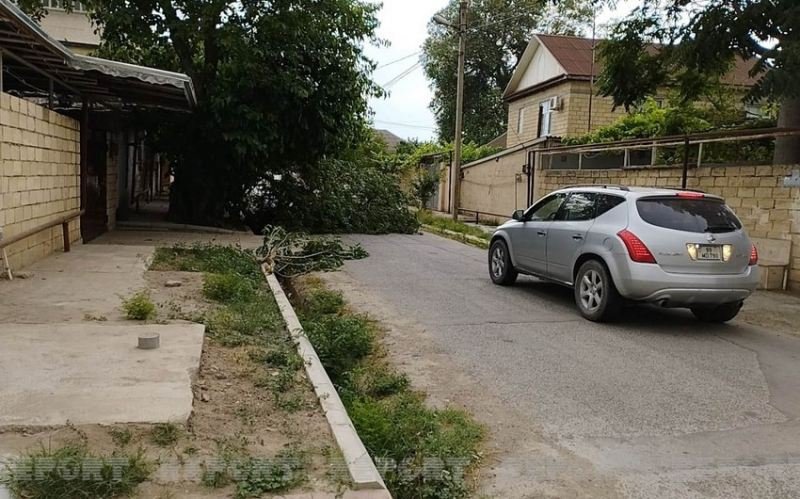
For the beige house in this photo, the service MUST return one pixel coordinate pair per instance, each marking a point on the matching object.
(73, 29)
(552, 91)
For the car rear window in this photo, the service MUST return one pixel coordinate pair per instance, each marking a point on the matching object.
(688, 215)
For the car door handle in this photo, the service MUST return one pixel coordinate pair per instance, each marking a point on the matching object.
(542, 233)
(577, 237)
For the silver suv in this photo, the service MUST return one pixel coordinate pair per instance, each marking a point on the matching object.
(616, 244)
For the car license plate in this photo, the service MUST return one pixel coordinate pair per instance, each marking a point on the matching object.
(709, 252)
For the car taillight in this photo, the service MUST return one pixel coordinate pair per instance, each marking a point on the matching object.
(636, 248)
(753, 255)
(690, 195)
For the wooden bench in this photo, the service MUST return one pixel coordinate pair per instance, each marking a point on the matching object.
(774, 256)
(63, 221)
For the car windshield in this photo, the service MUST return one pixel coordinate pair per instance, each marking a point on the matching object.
(688, 215)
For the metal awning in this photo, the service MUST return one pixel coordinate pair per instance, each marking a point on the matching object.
(36, 64)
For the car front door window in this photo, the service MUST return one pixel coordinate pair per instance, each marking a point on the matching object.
(546, 210)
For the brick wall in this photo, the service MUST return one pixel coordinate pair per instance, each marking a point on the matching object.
(39, 176)
(755, 193)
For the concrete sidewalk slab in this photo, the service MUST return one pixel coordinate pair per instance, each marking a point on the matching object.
(94, 374)
(65, 287)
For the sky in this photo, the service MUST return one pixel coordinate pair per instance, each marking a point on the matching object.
(404, 23)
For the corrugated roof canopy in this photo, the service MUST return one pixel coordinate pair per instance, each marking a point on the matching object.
(35, 61)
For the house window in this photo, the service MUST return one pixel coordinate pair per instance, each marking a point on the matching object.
(545, 118)
(521, 121)
(59, 4)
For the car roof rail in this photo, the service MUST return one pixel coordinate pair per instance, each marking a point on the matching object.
(599, 186)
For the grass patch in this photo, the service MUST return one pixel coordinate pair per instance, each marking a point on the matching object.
(227, 288)
(139, 307)
(423, 452)
(209, 258)
(71, 471)
(165, 434)
(427, 218)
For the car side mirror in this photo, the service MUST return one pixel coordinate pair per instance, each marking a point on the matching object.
(519, 216)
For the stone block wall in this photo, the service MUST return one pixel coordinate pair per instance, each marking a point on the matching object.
(756, 193)
(39, 176)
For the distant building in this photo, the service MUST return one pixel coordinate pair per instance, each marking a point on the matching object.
(551, 92)
(73, 29)
(391, 140)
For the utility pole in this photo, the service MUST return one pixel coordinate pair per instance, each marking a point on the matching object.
(455, 187)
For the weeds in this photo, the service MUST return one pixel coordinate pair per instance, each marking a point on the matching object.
(340, 341)
(427, 218)
(121, 436)
(227, 288)
(165, 434)
(209, 258)
(71, 471)
(245, 323)
(393, 421)
(255, 477)
(139, 307)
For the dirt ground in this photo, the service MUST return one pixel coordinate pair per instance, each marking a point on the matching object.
(232, 419)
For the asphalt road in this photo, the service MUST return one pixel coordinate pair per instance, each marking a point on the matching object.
(657, 405)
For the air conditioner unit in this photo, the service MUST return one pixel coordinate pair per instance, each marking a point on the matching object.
(556, 103)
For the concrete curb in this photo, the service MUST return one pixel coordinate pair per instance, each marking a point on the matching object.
(362, 469)
(464, 238)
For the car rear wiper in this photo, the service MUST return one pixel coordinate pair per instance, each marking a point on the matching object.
(715, 229)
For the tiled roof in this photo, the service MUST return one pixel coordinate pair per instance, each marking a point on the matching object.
(575, 56)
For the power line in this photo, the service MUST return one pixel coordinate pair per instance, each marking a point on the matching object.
(407, 125)
(409, 56)
(401, 75)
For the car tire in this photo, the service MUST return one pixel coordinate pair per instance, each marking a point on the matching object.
(501, 270)
(720, 314)
(595, 293)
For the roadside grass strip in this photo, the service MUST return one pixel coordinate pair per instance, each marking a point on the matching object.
(421, 452)
(453, 230)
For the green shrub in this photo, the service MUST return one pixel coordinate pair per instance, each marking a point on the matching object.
(340, 342)
(228, 288)
(71, 471)
(139, 307)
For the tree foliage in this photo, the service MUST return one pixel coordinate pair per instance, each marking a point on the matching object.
(358, 191)
(498, 33)
(692, 45)
(282, 88)
(697, 43)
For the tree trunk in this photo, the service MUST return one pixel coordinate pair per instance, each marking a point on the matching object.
(787, 149)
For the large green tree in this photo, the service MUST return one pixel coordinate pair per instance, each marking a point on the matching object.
(698, 43)
(498, 33)
(281, 84)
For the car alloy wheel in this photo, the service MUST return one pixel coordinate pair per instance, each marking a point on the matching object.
(498, 261)
(592, 290)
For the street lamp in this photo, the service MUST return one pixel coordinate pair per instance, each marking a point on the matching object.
(461, 28)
